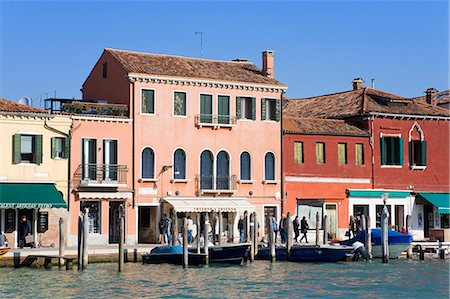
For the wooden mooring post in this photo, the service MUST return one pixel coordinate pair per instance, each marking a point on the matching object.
(384, 232)
(85, 239)
(185, 243)
(246, 226)
(317, 228)
(62, 243)
(220, 228)
(255, 235)
(325, 229)
(80, 243)
(174, 229)
(363, 222)
(409, 251)
(198, 233)
(121, 236)
(368, 240)
(271, 241)
(205, 237)
(289, 237)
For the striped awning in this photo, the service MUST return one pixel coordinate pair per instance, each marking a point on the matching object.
(201, 204)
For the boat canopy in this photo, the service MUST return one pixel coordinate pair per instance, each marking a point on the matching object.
(208, 204)
(440, 200)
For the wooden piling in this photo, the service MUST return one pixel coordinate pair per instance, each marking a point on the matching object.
(62, 243)
(271, 241)
(255, 235)
(363, 222)
(317, 228)
(205, 237)
(121, 237)
(198, 232)
(220, 227)
(325, 229)
(85, 239)
(252, 244)
(289, 235)
(135, 255)
(80, 243)
(409, 252)
(384, 235)
(16, 260)
(368, 240)
(246, 226)
(174, 229)
(185, 243)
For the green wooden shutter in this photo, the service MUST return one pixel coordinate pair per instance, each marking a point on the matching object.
(38, 150)
(254, 108)
(278, 110)
(66, 147)
(263, 109)
(238, 107)
(423, 152)
(53, 145)
(383, 151)
(410, 153)
(401, 151)
(16, 149)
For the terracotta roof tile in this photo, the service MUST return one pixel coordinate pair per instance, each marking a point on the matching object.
(359, 102)
(10, 106)
(177, 66)
(317, 126)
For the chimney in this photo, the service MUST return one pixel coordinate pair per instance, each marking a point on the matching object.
(358, 83)
(268, 63)
(430, 92)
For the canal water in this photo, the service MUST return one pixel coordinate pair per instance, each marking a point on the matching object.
(399, 278)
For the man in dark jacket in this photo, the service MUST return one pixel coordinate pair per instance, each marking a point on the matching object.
(241, 229)
(25, 230)
(296, 225)
(304, 229)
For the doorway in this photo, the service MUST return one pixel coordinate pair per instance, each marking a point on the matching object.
(148, 231)
(29, 213)
(428, 220)
(331, 212)
(114, 221)
(399, 217)
(269, 212)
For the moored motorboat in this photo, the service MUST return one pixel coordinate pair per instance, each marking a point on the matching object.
(3, 250)
(172, 255)
(308, 253)
(229, 253)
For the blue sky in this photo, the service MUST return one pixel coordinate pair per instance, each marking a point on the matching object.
(319, 46)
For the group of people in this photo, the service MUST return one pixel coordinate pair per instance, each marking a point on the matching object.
(165, 235)
(299, 227)
(354, 226)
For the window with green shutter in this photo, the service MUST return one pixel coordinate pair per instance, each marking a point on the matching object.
(359, 153)
(238, 108)
(391, 150)
(417, 153)
(206, 108)
(59, 147)
(148, 101)
(27, 149)
(263, 109)
(298, 152)
(342, 153)
(223, 109)
(320, 153)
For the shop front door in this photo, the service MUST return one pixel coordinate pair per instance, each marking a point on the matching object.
(114, 221)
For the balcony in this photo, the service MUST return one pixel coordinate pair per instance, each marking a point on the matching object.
(216, 184)
(215, 121)
(101, 175)
(79, 107)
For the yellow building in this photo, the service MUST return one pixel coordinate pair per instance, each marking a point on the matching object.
(34, 171)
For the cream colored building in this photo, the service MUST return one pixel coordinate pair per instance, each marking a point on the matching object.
(34, 171)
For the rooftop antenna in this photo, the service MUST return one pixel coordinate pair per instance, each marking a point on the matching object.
(201, 42)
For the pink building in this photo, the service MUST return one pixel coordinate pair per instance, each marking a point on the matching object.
(204, 136)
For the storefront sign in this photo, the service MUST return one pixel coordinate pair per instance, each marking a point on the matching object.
(10, 221)
(25, 206)
(42, 222)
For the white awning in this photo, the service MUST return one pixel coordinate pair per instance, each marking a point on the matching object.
(208, 204)
(105, 195)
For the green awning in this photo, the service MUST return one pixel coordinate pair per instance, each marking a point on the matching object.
(30, 196)
(440, 200)
(378, 193)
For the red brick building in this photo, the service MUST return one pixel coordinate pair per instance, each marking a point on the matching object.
(405, 153)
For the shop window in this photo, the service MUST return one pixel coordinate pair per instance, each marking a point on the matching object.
(309, 210)
(94, 214)
(379, 210)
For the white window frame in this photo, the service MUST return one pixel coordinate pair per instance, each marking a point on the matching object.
(154, 102)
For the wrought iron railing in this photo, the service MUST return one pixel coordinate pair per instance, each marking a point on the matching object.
(95, 108)
(214, 120)
(216, 183)
(100, 174)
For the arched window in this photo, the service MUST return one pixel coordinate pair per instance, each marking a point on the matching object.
(417, 147)
(245, 167)
(269, 167)
(223, 171)
(179, 164)
(206, 170)
(148, 164)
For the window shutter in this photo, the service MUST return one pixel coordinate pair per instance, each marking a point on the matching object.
(410, 153)
(238, 107)
(401, 151)
(263, 109)
(38, 151)
(66, 147)
(254, 108)
(423, 153)
(53, 144)
(278, 110)
(16, 149)
(383, 151)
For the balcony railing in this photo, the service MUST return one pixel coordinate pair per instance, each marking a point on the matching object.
(210, 120)
(100, 175)
(216, 184)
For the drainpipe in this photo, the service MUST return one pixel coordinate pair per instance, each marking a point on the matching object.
(281, 154)
(371, 142)
(69, 136)
(133, 160)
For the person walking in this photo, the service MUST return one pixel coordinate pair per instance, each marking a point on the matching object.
(25, 230)
(165, 230)
(304, 229)
(296, 225)
(283, 228)
(241, 229)
(190, 228)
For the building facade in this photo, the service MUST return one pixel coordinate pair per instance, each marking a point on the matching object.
(33, 173)
(205, 135)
